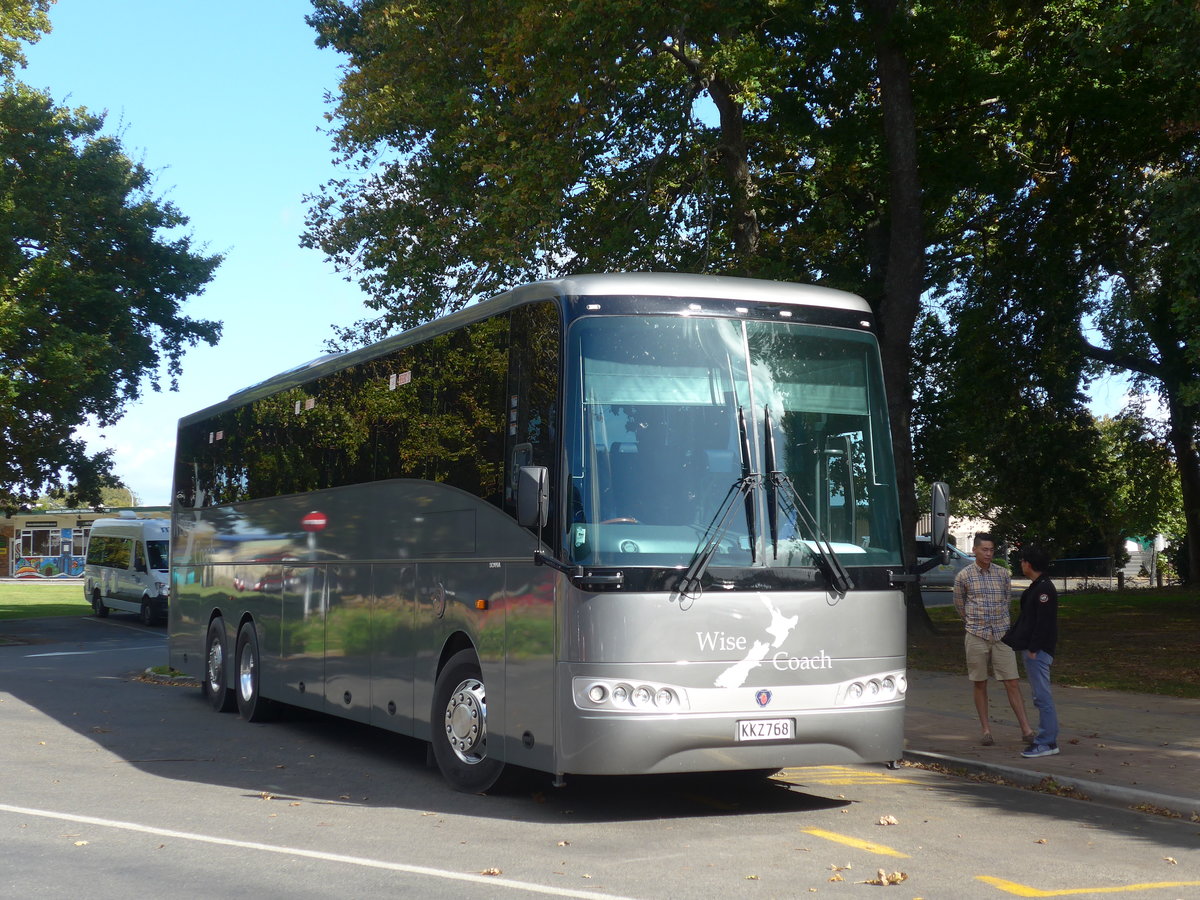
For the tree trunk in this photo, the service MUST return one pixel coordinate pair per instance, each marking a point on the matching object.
(1182, 435)
(733, 154)
(904, 278)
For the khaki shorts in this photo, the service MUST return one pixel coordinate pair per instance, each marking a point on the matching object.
(979, 652)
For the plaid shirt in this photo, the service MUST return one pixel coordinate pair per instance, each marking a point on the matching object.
(983, 600)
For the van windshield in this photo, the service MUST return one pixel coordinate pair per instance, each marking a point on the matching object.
(158, 553)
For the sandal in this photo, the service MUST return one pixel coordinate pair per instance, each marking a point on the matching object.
(987, 740)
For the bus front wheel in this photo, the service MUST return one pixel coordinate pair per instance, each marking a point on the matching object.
(214, 685)
(459, 724)
(252, 705)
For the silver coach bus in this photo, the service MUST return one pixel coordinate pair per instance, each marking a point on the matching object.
(609, 524)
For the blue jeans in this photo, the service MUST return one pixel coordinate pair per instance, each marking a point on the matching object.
(1038, 672)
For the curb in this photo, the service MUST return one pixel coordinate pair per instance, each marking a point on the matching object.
(1111, 795)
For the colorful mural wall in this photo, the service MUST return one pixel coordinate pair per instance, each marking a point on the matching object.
(52, 544)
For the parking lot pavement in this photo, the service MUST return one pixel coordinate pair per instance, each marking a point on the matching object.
(1132, 750)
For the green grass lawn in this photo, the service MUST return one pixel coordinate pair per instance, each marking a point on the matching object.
(1138, 640)
(30, 600)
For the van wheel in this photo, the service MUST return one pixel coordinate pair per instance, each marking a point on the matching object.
(214, 686)
(147, 614)
(98, 606)
(251, 704)
(459, 723)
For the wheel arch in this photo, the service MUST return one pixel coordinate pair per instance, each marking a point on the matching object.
(454, 644)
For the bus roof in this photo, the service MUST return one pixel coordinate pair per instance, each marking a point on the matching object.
(649, 284)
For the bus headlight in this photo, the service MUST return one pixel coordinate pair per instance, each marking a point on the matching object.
(622, 696)
(883, 688)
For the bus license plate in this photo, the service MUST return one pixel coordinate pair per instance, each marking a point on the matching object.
(766, 729)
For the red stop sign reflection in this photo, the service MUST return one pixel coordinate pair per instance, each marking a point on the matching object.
(314, 521)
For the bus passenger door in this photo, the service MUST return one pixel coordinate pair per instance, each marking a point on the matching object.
(302, 634)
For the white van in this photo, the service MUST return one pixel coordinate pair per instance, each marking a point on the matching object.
(126, 568)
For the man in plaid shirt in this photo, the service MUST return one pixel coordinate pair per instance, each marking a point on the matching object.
(982, 596)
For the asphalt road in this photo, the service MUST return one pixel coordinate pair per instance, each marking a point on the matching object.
(111, 787)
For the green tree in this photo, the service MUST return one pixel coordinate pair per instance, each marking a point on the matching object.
(1084, 244)
(1142, 477)
(91, 284)
(21, 21)
(980, 154)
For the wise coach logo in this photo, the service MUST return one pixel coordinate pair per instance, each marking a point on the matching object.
(775, 632)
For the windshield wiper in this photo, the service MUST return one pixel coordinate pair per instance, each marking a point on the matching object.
(778, 483)
(743, 487)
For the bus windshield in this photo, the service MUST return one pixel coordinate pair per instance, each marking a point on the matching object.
(655, 448)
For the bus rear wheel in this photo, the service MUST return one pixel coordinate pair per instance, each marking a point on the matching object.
(252, 705)
(98, 606)
(459, 724)
(214, 685)
(147, 614)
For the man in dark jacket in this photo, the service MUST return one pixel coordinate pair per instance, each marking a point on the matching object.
(1034, 636)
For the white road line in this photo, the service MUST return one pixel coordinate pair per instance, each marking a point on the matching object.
(490, 880)
(90, 652)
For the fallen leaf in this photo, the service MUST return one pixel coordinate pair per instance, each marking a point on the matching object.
(883, 879)
(81, 843)
(751, 878)
(1172, 860)
(266, 795)
(1041, 841)
(492, 871)
(836, 877)
(564, 843)
(888, 820)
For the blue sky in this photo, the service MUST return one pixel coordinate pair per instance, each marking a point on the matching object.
(224, 101)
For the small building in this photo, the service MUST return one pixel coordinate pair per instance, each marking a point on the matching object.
(52, 544)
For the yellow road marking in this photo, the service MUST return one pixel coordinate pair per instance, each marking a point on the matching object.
(841, 775)
(1022, 890)
(854, 842)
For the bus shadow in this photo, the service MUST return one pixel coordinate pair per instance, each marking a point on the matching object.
(405, 777)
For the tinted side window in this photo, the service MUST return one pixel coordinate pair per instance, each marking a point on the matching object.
(531, 429)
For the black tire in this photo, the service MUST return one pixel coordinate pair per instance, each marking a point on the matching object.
(98, 606)
(214, 684)
(459, 721)
(146, 614)
(252, 705)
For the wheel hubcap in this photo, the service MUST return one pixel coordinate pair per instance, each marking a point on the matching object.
(466, 721)
(246, 674)
(216, 664)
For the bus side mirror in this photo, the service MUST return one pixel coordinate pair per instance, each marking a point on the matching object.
(939, 525)
(532, 496)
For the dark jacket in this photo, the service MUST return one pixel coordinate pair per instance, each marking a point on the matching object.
(1036, 627)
